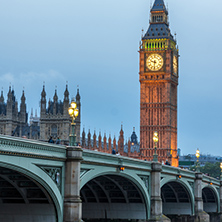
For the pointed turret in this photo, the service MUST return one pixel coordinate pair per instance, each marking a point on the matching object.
(66, 101)
(78, 119)
(55, 103)
(104, 143)
(9, 105)
(43, 94)
(43, 103)
(114, 143)
(134, 137)
(78, 95)
(159, 25)
(55, 97)
(2, 104)
(89, 140)
(158, 6)
(110, 144)
(100, 141)
(23, 97)
(66, 94)
(23, 114)
(121, 141)
(9, 94)
(94, 141)
(83, 138)
(2, 97)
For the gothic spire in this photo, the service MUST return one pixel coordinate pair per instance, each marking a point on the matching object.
(2, 97)
(158, 6)
(43, 94)
(66, 94)
(55, 98)
(9, 93)
(23, 97)
(159, 26)
(77, 95)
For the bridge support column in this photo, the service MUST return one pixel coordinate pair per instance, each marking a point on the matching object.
(200, 215)
(218, 217)
(72, 201)
(156, 214)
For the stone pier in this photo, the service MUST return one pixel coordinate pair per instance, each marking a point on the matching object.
(72, 201)
(156, 214)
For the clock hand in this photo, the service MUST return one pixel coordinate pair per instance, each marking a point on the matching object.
(154, 63)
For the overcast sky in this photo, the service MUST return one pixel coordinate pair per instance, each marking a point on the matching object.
(94, 44)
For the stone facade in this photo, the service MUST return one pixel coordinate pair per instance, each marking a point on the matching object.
(11, 119)
(158, 88)
(54, 119)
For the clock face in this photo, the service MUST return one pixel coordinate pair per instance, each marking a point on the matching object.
(175, 65)
(154, 62)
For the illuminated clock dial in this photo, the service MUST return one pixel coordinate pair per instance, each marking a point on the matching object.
(154, 62)
(175, 65)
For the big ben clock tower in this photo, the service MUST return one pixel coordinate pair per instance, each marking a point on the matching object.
(158, 88)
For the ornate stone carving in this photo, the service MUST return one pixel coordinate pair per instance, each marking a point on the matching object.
(55, 173)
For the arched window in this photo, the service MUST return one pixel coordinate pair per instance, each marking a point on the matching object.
(54, 131)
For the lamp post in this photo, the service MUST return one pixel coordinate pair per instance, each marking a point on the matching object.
(221, 171)
(155, 140)
(73, 112)
(198, 155)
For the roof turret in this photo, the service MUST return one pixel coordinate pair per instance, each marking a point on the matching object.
(159, 25)
(2, 97)
(77, 95)
(43, 94)
(23, 97)
(158, 6)
(66, 94)
(55, 98)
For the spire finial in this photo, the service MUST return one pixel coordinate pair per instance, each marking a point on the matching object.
(175, 36)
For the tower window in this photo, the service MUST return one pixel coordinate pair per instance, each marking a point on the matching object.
(151, 29)
(152, 34)
(156, 29)
(158, 33)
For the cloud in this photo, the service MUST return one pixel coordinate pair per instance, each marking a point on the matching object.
(31, 78)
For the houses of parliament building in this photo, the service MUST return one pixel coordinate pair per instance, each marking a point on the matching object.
(54, 119)
(158, 77)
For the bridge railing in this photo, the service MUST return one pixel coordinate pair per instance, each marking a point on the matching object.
(31, 148)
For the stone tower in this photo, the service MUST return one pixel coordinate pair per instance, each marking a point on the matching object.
(55, 120)
(158, 87)
(11, 119)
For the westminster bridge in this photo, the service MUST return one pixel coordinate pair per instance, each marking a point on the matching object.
(44, 182)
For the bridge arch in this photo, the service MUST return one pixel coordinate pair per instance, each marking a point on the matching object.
(27, 169)
(177, 197)
(211, 199)
(125, 189)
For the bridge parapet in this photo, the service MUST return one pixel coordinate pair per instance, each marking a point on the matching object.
(105, 159)
(31, 148)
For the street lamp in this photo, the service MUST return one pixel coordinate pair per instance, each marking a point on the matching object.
(155, 140)
(198, 155)
(221, 171)
(73, 112)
